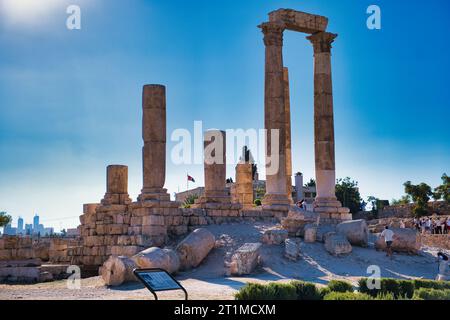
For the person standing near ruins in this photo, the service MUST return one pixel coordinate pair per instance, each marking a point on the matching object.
(388, 236)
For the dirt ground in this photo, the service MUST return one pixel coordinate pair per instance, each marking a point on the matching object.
(208, 281)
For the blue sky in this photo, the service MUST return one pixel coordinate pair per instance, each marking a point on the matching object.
(70, 101)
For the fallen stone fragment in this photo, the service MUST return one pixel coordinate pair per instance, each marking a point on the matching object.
(405, 240)
(274, 236)
(117, 270)
(356, 232)
(310, 233)
(337, 244)
(155, 257)
(292, 249)
(245, 259)
(194, 248)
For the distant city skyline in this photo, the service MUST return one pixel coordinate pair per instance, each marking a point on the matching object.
(29, 229)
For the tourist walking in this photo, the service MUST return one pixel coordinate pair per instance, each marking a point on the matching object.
(402, 224)
(388, 235)
(443, 267)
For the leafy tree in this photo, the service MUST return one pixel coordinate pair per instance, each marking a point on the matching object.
(443, 191)
(347, 193)
(5, 219)
(402, 201)
(311, 183)
(420, 195)
(260, 192)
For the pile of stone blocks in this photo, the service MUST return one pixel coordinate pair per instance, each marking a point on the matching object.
(297, 219)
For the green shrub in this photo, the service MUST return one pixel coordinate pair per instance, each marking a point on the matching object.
(272, 291)
(306, 290)
(399, 288)
(324, 291)
(257, 202)
(431, 284)
(385, 296)
(431, 294)
(347, 296)
(340, 286)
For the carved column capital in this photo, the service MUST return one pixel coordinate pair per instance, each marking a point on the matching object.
(322, 41)
(273, 33)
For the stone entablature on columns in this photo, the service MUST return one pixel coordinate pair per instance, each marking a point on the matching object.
(299, 21)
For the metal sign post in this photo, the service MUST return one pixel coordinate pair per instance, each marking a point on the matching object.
(156, 279)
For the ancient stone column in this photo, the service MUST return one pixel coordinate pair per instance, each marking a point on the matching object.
(275, 117)
(154, 136)
(215, 166)
(287, 110)
(325, 201)
(116, 185)
(244, 184)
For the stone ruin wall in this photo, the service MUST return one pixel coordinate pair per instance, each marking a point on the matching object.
(53, 250)
(405, 211)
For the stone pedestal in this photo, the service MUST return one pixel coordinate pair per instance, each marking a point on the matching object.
(275, 118)
(214, 169)
(116, 185)
(243, 189)
(325, 203)
(154, 150)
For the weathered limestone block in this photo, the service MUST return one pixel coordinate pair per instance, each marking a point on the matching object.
(125, 250)
(245, 259)
(324, 229)
(153, 220)
(7, 254)
(21, 263)
(405, 240)
(356, 231)
(195, 247)
(296, 220)
(299, 21)
(310, 233)
(155, 257)
(20, 274)
(292, 249)
(274, 236)
(116, 185)
(117, 270)
(337, 244)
